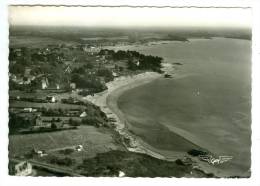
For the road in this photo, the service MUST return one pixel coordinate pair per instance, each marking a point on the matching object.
(49, 167)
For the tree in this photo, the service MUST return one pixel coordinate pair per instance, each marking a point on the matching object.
(17, 69)
(106, 73)
(53, 126)
(70, 121)
(58, 120)
(17, 122)
(89, 65)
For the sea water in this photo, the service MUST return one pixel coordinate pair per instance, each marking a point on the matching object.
(207, 102)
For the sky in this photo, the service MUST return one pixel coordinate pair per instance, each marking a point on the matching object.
(130, 17)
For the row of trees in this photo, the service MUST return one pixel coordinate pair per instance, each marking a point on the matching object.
(17, 122)
(136, 60)
(27, 87)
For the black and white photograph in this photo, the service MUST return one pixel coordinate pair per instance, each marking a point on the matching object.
(128, 91)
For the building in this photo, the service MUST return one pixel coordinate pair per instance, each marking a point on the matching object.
(79, 148)
(136, 61)
(114, 74)
(45, 83)
(73, 85)
(18, 52)
(73, 112)
(29, 109)
(23, 168)
(83, 114)
(27, 72)
(51, 99)
(121, 174)
(41, 153)
(38, 121)
(68, 69)
(91, 49)
(12, 77)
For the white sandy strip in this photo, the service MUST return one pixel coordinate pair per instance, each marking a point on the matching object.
(115, 89)
(118, 86)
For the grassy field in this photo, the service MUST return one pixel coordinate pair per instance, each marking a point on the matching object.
(136, 165)
(102, 155)
(37, 94)
(94, 140)
(23, 104)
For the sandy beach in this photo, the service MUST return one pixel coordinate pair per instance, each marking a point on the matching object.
(107, 101)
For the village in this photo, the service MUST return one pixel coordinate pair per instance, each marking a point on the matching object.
(53, 129)
(52, 81)
(47, 90)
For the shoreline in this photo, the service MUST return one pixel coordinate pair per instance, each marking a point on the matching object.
(106, 100)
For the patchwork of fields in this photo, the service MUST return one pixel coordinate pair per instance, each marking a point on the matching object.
(93, 140)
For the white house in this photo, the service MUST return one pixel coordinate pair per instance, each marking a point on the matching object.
(41, 153)
(73, 85)
(23, 169)
(29, 110)
(45, 83)
(114, 74)
(51, 99)
(91, 49)
(79, 148)
(121, 174)
(83, 114)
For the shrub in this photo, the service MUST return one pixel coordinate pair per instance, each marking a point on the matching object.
(66, 151)
(195, 152)
(93, 121)
(179, 162)
(74, 123)
(62, 161)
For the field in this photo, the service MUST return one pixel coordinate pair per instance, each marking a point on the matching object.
(34, 42)
(24, 104)
(94, 140)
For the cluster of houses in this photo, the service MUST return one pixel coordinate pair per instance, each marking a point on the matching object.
(24, 79)
(43, 79)
(91, 49)
(40, 122)
(23, 168)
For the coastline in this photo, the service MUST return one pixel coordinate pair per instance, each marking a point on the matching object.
(225, 170)
(107, 101)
